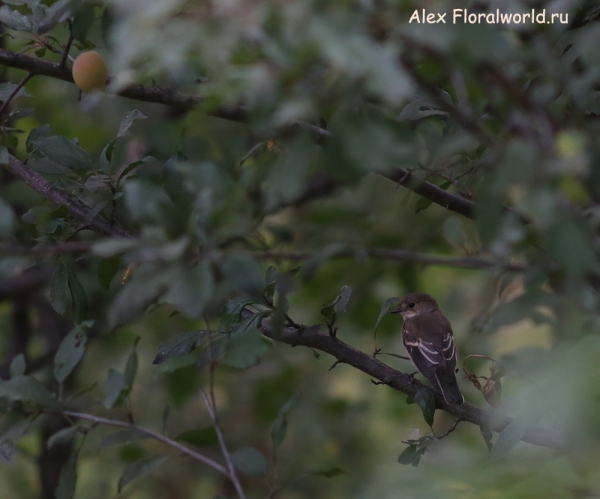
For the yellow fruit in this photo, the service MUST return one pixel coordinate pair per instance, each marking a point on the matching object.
(90, 72)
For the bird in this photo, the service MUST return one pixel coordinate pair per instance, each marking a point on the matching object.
(427, 336)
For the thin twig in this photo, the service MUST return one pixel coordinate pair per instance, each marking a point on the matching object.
(152, 434)
(12, 95)
(211, 407)
(232, 473)
(65, 55)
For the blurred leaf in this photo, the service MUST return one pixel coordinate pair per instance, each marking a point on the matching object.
(107, 269)
(83, 20)
(230, 313)
(179, 344)
(245, 274)
(78, 296)
(7, 216)
(426, 401)
(63, 153)
(411, 455)
(58, 12)
(246, 349)
(249, 461)
(132, 365)
(337, 306)
(252, 322)
(59, 288)
(63, 436)
(12, 433)
(132, 166)
(69, 353)
(4, 156)
(128, 120)
(122, 437)
(18, 366)
(116, 389)
(173, 364)
(486, 432)
(270, 281)
(13, 19)
(6, 89)
(68, 478)
(390, 302)
(200, 437)
(142, 467)
(329, 473)
(191, 289)
(280, 425)
(106, 157)
(27, 389)
(513, 433)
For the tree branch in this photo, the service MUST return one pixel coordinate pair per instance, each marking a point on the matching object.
(56, 196)
(152, 434)
(144, 93)
(397, 380)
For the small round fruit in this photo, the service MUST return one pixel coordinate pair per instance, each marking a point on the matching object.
(90, 72)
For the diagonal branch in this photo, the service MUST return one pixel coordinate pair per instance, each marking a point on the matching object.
(144, 93)
(61, 198)
(397, 380)
(152, 434)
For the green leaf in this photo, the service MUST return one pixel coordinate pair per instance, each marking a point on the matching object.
(132, 166)
(78, 296)
(116, 389)
(37, 132)
(142, 467)
(27, 389)
(18, 366)
(249, 461)
(128, 120)
(67, 479)
(106, 157)
(191, 290)
(63, 436)
(329, 473)
(384, 310)
(173, 364)
(63, 153)
(280, 425)
(83, 20)
(121, 437)
(426, 401)
(7, 219)
(107, 269)
(14, 427)
(132, 365)
(179, 344)
(6, 89)
(270, 281)
(337, 306)
(245, 274)
(69, 353)
(200, 437)
(59, 288)
(513, 433)
(411, 455)
(252, 322)
(230, 313)
(246, 349)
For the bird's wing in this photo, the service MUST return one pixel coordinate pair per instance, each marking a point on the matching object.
(433, 348)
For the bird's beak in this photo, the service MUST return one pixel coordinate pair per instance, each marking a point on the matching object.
(396, 311)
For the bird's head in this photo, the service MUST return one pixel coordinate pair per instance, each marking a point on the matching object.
(415, 304)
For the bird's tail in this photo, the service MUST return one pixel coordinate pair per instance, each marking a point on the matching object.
(449, 389)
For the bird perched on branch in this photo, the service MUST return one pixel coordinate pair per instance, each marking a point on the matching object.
(427, 336)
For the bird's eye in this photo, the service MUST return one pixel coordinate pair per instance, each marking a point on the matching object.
(411, 305)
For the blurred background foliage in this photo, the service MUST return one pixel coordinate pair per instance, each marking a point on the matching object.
(504, 116)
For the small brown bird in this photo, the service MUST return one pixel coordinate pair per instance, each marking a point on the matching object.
(427, 336)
